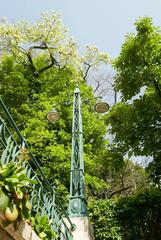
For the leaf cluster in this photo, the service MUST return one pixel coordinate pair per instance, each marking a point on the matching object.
(16, 186)
(42, 227)
(102, 218)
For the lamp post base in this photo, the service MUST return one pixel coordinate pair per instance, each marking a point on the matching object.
(77, 207)
(84, 230)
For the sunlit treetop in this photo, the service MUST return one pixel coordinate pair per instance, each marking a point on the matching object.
(49, 37)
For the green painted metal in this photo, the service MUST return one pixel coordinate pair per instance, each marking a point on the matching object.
(77, 203)
(43, 196)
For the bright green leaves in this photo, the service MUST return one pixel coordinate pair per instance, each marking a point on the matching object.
(42, 227)
(14, 176)
(137, 126)
(144, 26)
(13, 86)
(104, 223)
(40, 67)
(139, 62)
(121, 117)
(136, 122)
(14, 192)
(4, 200)
(96, 186)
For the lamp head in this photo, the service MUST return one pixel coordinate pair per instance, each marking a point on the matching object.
(101, 107)
(53, 116)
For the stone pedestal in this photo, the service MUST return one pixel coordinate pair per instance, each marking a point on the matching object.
(84, 230)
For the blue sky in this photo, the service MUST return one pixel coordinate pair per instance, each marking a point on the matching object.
(103, 23)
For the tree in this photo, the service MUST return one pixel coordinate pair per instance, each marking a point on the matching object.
(135, 121)
(48, 38)
(40, 67)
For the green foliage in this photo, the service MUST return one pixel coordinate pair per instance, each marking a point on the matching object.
(36, 76)
(42, 227)
(130, 217)
(51, 144)
(14, 188)
(128, 180)
(140, 215)
(40, 66)
(14, 87)
(139, 62)
(135, 121)
(102, 216)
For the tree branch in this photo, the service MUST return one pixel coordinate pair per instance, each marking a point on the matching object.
(120, 190)
(53, 62)
(157, 87)
(87, 70)
(97, 87)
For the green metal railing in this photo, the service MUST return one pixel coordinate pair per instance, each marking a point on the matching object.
(43, 196)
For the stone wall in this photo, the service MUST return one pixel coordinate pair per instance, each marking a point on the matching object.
(23, 232)
(4, 235)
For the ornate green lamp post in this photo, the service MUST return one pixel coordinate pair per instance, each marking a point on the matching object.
(77, 206)
(77, 203)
